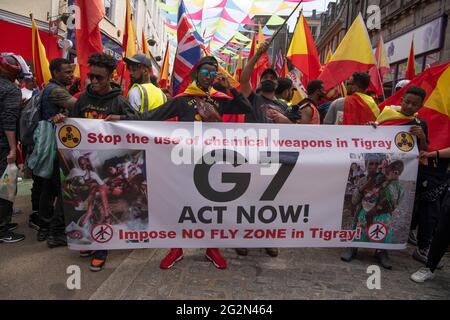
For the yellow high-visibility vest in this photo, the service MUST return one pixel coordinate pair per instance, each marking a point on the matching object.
(151, 96)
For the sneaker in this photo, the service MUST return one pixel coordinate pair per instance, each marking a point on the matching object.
(422, 275)
(59, 240)
(421, 255)
(242, 251)
(42, 234)
(273, 252)
(86, 253)
(11, 226)
(171, 258)
(216, 258)
(98, 261)
(412, 238)
(11, 237)
(33, 221)
(383, 259)
(349, 254)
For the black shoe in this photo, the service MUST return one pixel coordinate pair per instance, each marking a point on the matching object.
(33, 221)
(98, 260)
(42, 234)
(349, 254)
(11, 237)
(242, 251)
(59, 240)
(273, 252)
(383, 258)
(11, 226)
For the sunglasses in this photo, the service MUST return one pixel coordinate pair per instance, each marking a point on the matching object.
(95, 76)
(205, 73)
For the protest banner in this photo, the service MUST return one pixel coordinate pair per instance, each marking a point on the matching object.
(192, 185)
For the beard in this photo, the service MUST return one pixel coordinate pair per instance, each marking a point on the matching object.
(137, 80)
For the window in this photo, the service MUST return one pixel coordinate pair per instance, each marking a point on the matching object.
(389, 76)
(431, 59)
(418, 64)
(401, 71)
(109, 9)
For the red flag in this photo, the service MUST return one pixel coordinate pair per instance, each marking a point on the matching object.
(87, 36)
(410, 69)
(303, 52)
(164, 74)
(284, 69)
(359, 109)
(378, 71)
(436, 109)
(262, 64)
(40, 61)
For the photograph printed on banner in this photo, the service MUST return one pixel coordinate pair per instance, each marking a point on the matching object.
(379, 197)
(107, 187)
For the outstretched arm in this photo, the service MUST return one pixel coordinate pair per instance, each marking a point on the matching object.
(246, 87)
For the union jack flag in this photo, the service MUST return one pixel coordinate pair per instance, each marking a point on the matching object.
(189, 51)
(279, 63)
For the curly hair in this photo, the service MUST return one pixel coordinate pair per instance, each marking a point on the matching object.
(103, 60)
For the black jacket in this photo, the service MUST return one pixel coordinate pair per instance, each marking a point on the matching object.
(10, 99)
(93, 106)
(184, 107)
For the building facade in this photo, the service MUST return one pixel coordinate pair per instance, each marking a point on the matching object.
(52, 15)
(401, 20)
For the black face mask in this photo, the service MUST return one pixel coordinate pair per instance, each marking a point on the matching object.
(268, 86)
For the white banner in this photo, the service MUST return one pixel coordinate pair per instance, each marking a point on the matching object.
(192, 185)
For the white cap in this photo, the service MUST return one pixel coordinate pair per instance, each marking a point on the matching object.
(401, 84)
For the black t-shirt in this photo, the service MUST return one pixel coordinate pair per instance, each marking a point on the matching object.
(419, 122)
(259, 106)
(435, 168)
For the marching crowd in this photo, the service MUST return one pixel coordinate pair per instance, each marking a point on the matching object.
(209, 98)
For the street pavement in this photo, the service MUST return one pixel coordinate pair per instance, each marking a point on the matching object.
(30, 270)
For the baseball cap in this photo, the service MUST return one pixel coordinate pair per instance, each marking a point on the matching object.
(139, 59)
(208, 60)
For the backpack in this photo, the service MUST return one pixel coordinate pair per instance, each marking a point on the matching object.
(29, 119)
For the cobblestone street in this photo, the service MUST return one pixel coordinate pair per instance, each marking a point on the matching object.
(295, 274)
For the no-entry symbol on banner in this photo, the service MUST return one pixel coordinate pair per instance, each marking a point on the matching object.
(377, 232)
(102, 233)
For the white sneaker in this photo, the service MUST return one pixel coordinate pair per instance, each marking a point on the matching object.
(422, 275)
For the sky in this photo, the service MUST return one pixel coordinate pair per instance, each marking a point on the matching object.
(319, 5)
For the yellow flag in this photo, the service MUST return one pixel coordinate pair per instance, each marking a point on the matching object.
(40, 61)
(353, 54)
(329, 54)
(129, 36)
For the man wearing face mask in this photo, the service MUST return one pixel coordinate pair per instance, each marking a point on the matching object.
(305, 112)
(308, 106)
(285, 92)
(199, 96)
(144, 95)
(267, 98)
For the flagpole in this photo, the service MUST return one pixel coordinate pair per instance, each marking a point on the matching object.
(378, 69)
(285, 22)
